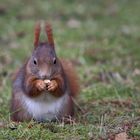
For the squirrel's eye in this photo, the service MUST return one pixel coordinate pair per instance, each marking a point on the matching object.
(35, 61)
(54, 60)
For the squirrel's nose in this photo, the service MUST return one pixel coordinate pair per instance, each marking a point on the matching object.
(44, 74)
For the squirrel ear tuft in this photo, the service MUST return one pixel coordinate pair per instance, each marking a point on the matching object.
(37, 34)
(49, 33)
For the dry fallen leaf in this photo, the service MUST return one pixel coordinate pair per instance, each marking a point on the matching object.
(136, 72)
(2, 124)
(121, 136)
(73, 23)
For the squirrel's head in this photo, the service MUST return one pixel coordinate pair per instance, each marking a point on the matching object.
(44, 63)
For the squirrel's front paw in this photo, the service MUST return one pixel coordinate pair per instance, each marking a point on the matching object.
(40, 85)
(52, 86)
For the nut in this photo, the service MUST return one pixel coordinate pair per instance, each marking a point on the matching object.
(46, 81)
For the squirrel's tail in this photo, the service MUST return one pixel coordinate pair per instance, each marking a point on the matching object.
(72, 77)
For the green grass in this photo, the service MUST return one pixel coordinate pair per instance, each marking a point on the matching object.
(102, 38)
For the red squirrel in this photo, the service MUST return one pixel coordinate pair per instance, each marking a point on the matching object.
(44, 87)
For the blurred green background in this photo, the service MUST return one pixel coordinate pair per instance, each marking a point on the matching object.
(101, 38)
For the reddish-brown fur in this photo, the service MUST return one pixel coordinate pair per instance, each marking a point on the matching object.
(72, 77)
(37, 34)
(49, 34)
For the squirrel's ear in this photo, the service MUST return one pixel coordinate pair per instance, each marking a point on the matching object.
(37, 34)
(49, 33)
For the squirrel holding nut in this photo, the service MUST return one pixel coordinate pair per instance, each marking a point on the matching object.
(44, 87)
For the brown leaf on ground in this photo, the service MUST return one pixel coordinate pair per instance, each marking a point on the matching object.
(136, 72)
(20, 34)
(121, 136)
(75, 62)
(73, 23)
(2, 124)
(3, 10)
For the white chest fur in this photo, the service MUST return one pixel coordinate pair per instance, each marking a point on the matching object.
(46, 106)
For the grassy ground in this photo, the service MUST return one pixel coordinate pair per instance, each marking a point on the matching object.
(102, 39)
